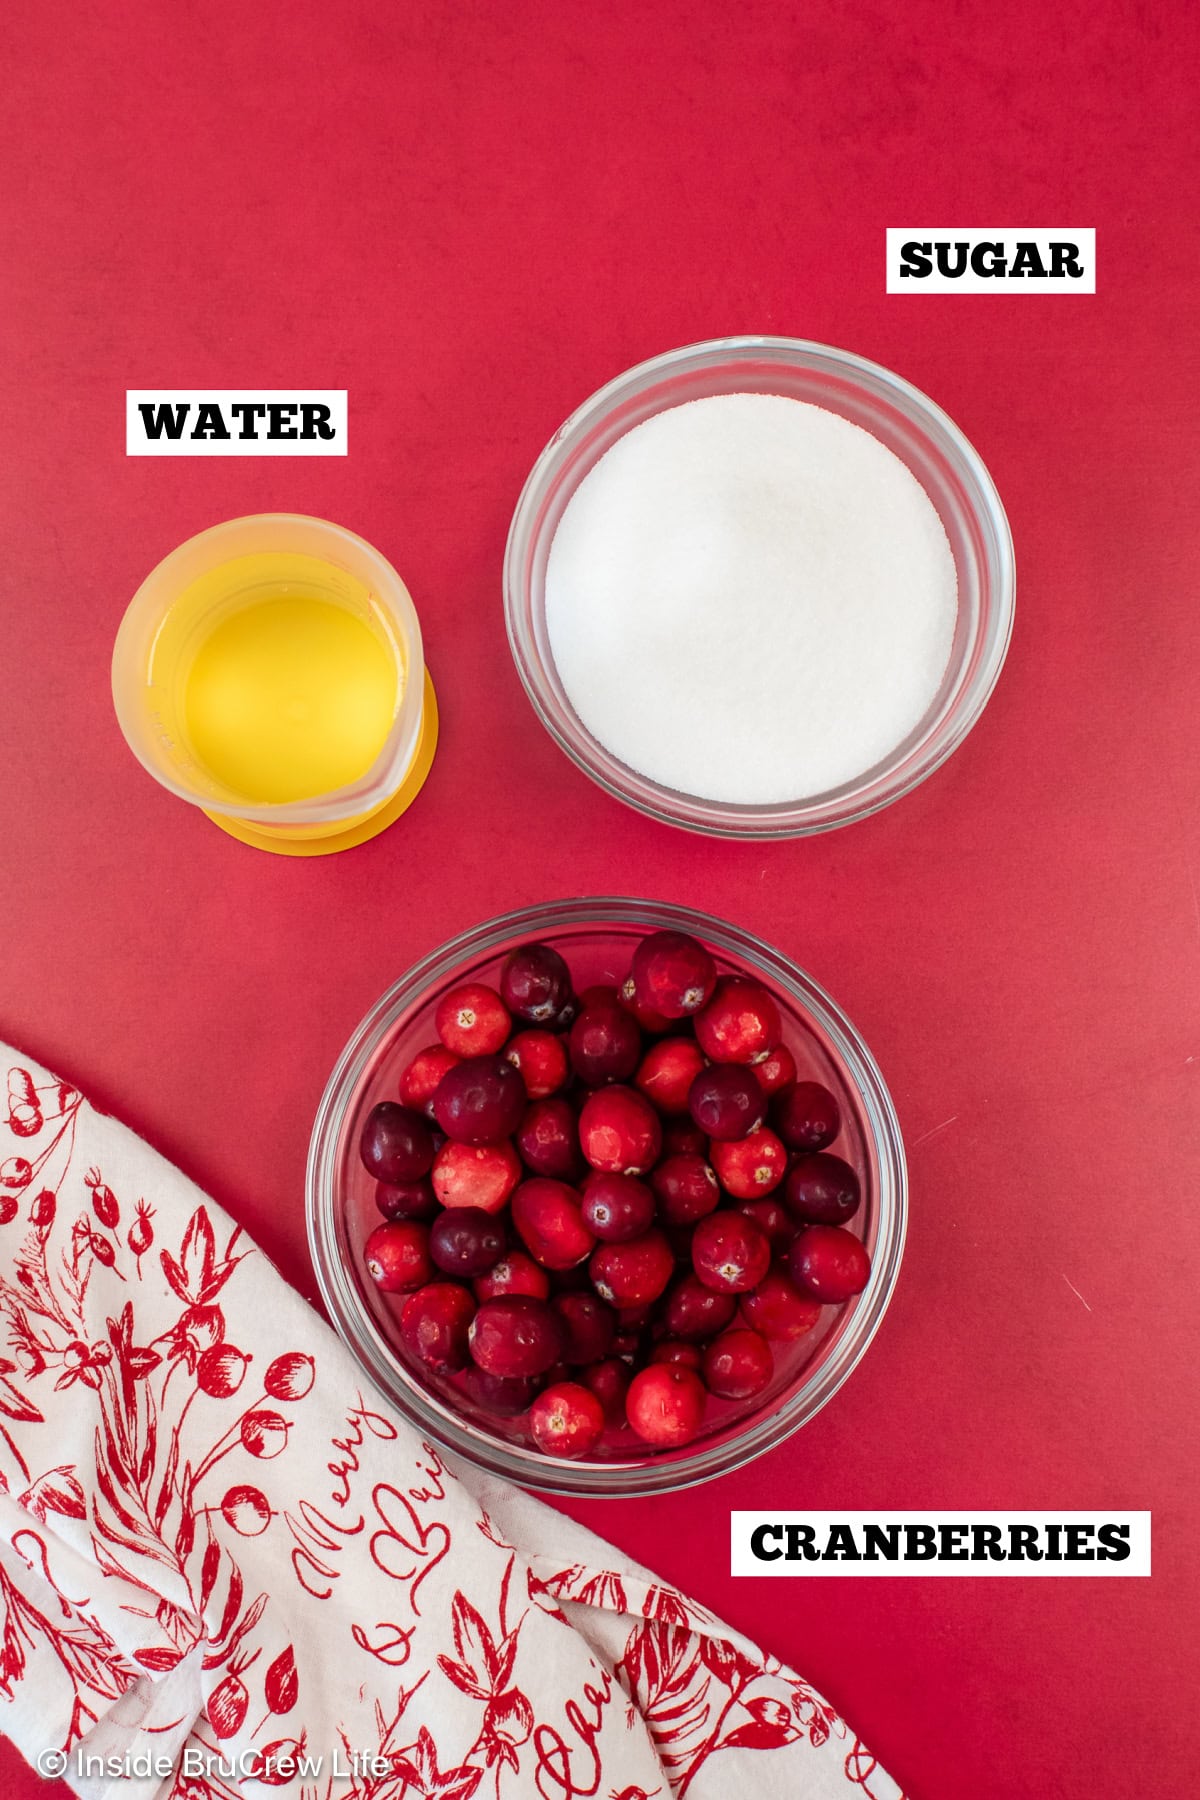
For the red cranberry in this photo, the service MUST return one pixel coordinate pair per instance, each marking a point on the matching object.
(516, 1336)
(772, 1217)
(740, 1024)
(566, 1420)
(667, 1072)
(829, 1263)
(609, 1381)
(730, 1253)
(686, 1189)
(632, 1274)
(434, 1325)
(674, 1350)
(503, 1395)
(806, 1116)
(822, 1188)
(628, 1345)
(548, 1139)
(673, 973)
(751, 1166)
(476, 1175)
(397, 1256)
(616, 1207)
(697, 1312)
(590, 1326)
(396, 1144)
(480, 1100)
(665, 1404)
(653, 1022)
(682, 1138)
(619, 1131)
(605, 1045)
(535, 983)
(635, 1318)
(406, 1199)
(726, 1101)
(515, 1273)
(540, 1059)
(418, 1084)
(778, 1309)
(549, 1221)
(777, 1070)
(472, 1020)
(466, 1241)
(738, 1364)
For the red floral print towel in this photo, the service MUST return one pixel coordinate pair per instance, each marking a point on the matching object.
(226, 1566)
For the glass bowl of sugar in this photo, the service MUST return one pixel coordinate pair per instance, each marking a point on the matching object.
(759, 587)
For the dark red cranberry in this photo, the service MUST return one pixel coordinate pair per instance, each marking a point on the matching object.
(773, 1218)
(829, 1263)
(540, 1058)
(652, 1022)
(673, 973)
(605, 1045)
(667, 1071)
(738, 1365)
(665, 1404)
(516, 1336)
(752, 1165)
(777, 1070)
(806, 1116)
(397, 1256)
(740, 1024)
(725, 1101)
(822, 1189)
(674, 1350)
(503, 1395)
(680, 1239)
(609, 1381)
(778, 1309)
(480, 1100)
(566, 1419)
(535, 983)
(549, 1222)
(434, 1325)
(632, 1274)
(406, 1199)
(467, 1241)
(515, 1273)
(685, 1188)
(682, 1138)
(548, 1139)
(418, 1084)
(616, 1207)
(730, 1253)
(697, 1312)
(396, 1144)
(619, 1131)
(590, 1326)
(472, 1020)
(629, 1345)
(476, 1175)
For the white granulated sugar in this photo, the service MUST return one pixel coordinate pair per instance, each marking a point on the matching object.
(750, 599)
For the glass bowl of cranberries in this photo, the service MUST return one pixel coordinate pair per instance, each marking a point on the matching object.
(607, 1196)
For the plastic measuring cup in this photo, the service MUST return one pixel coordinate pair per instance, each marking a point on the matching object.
(206, 586)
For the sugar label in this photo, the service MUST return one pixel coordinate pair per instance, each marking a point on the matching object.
(1040, 260)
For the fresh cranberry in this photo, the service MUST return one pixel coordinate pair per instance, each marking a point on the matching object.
(777, 1070)
(772, 1217)
(697, 1312)
(548, 1139)
(616, 1207)
(738, 1364)
(652, 1022)
(674, 1350)
(806, 1116)
(540, 1058)
(549, 1222)
(609, 1381)
(476, 1175)
(778, 1309)
(829, 1263)
(822, 1189)
(590, 1326)
(730, 1253)
(726, 1101)
(629, 1345)
(635, 1318)
(396, 1143)
(686, 1189)
(740, 1024)
(605, 1044)
(466, 1241)
(632, 1274)
(566, 1420)
(619, 1131)
(665, 1404)
(673, 973)
(503, 1395)
(515, 1273)
(419, 1082)
(434, 1325)
(473, 1020)
(480, 1100)
(682, 1138)
(535, 984)
(752, 1165)
(516, 1336)
(667, 1072)
(406, 1199)
(397, 1256)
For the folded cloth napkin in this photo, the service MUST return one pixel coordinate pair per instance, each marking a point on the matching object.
(227, 1565)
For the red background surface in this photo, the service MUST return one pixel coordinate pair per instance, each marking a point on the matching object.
(471, 217)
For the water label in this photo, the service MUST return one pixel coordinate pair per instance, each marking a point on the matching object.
(925, 260)
(235, 422)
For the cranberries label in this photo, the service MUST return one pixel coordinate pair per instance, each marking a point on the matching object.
(1010, 260)
(911, 1543)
